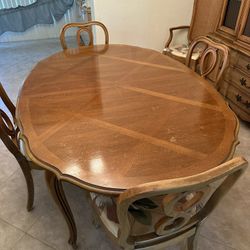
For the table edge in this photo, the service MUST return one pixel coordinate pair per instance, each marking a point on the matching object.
(91, 187)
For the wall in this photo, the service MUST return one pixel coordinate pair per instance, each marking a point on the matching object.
(143, 23)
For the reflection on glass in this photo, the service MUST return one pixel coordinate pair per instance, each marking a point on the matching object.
(247, 27)
(232, 13)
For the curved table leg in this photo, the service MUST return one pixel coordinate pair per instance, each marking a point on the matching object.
(56, 189)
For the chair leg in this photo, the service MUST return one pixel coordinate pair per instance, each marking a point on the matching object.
(56, 190)
(29, 182)
(192, 241)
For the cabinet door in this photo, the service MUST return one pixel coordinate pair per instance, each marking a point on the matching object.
(244, 33)
(230, 18)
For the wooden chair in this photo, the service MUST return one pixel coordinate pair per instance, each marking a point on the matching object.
(9, 136)
(83, 27)
(204, 21)
(159, 214)
(213, 59)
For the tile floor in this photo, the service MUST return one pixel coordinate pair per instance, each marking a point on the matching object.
(228, 228)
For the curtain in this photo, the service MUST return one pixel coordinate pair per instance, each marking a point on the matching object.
(41, 12)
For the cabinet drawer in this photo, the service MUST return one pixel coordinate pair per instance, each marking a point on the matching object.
(239, 98)
(244, 63)
(239, 78)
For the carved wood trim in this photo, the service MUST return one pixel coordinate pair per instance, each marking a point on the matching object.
(83, 27)
(186, 200)
(8, 134)
(208, 63)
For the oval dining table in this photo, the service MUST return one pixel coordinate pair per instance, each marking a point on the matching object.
(109, 117)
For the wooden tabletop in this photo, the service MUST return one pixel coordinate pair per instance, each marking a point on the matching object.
(115, 116)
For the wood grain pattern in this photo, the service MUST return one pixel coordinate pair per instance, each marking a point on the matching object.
(111, 117)
(214, 59)
(234, 85)
(81, 28)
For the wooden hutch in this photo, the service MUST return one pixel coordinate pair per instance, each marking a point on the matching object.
(233, 29)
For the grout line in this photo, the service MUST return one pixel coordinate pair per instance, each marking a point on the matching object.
(18, 241)
(5, 180)
(12, 225)
(218, 242)
(6, 222)
(26, 234)
(43, 242)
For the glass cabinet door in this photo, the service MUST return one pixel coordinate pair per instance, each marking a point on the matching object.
(232, 14)
(246, 30)
(244, 33)
(230, 18)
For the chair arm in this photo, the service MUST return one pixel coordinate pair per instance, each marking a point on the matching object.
(172, 34)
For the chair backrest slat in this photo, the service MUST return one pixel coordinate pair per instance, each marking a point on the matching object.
(213, 59)
(83, 27)
(181, 203)
(8, 129)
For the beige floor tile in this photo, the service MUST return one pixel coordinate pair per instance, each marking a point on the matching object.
(229, 224)
(29, 243)
(208, 244)
(8, 166)
(9, 235)
(52, 229)
(13, 197)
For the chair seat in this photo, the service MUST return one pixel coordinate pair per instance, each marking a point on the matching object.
(105, 207)
(143, 214)
(181, 51)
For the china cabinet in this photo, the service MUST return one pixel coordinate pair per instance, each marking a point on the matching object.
(233, 29)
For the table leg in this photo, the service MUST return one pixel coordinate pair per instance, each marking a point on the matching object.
(56, 190)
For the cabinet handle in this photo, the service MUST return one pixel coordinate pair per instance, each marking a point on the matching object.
(240, 100)
(243, 82)
(248, 66)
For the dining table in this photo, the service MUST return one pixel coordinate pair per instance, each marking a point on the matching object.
(110, 117)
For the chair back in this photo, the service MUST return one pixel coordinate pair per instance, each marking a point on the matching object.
(213, 59)
(8, 129)
(83, 27)
(173, 206)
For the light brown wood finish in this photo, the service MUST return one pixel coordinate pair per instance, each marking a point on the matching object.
(83, 27)
(237, 78)
(180, 205)
(205, 17)
(111, 117)
(9, 134)
(213, 59)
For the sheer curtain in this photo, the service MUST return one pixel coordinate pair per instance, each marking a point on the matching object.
(21, 18)
(6, 4)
